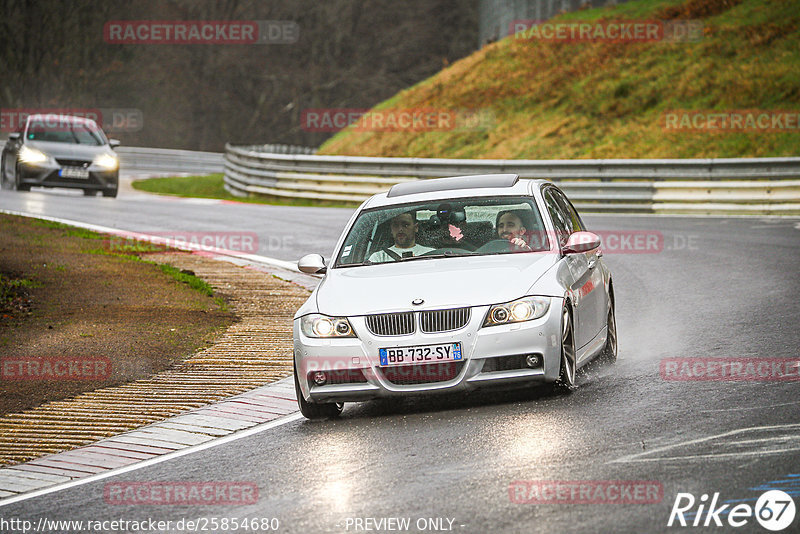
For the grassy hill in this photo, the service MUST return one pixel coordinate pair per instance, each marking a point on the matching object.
(553, 100)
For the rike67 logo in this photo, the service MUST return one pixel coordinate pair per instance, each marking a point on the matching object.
(774, 510)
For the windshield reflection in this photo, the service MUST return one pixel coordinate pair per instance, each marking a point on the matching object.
(444, 229)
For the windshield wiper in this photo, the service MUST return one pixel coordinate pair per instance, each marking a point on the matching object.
(361, 263)
(446, 254)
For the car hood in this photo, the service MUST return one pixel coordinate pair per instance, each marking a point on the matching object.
(69, 150)
(441, 283)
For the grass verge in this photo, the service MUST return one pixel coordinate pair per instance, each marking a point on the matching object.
(554, 99)
(211, 186)
(64, 296)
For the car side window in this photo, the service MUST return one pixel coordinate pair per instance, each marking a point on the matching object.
(575, 222)
(560, 220)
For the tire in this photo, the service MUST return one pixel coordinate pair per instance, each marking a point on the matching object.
(3, 178)
(110, 193)
(609, 353)
(313, 410)
(89, 192)
(18, 186)
(566, 379)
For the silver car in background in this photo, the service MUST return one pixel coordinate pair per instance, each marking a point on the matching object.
(53, 150)
(469, 305)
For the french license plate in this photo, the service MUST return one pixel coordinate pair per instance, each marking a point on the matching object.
(74, 172)
(444, 352)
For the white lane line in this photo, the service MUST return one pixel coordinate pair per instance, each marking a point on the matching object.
(637, 457)
(762, 440)
(751, 408)
(707, 456)
(153, 461)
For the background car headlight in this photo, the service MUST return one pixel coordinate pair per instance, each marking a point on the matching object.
(317, 325)
(32, 156)
(107, 161)
(517, 311)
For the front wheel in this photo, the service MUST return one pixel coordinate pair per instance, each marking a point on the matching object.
(313, 410)
(3, 178)
(110, 193)
(566, 380)
(17, 184)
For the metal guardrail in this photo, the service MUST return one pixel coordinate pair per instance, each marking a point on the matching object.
(188, 161)
(755, 185)
(169, 160)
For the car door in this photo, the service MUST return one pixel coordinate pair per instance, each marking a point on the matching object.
(593, 294)
(577, 264)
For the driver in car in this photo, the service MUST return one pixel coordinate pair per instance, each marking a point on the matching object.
(404, 232)
(511, 226)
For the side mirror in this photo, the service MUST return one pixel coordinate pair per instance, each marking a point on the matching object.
(312, 264)
(113, 143)
(581, 242)
(13, 136)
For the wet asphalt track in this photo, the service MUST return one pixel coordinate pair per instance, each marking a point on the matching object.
(720, 287)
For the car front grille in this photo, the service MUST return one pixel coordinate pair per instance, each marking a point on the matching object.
(406, 375)
(391, 324)
(431, 322)
(443, 320)
(74, 163)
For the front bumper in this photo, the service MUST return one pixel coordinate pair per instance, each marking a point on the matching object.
(47, 175)
(492, 356)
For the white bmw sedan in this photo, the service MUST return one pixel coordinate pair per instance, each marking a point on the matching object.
(453, 284)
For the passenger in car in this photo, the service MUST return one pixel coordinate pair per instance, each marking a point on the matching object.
(404, 232)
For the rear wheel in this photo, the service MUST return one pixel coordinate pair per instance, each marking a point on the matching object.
(609, 353)
(110, 193)
(313, 410)
(566, 380)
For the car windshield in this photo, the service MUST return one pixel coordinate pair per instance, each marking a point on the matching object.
(60, 130)
(444, 228)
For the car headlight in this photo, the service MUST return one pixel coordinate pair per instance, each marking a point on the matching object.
(518, 311)
(107, 161)
(317, 325)
(32, 156)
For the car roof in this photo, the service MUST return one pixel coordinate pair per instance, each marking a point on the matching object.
(454, 187)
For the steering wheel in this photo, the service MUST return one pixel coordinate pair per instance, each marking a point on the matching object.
(497, 245)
